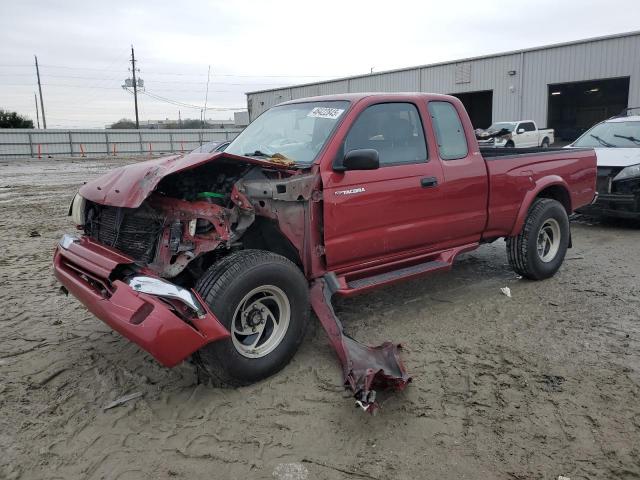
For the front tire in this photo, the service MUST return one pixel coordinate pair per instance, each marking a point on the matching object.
(262, 299)
(538, 251)
(509, 144)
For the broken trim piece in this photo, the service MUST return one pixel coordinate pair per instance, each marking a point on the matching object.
(365, 369)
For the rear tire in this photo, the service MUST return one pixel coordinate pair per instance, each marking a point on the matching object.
(538, 251)
(262, 299)
(545, 143)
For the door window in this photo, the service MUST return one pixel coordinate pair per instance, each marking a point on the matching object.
(393, 129)
(528, 126)
(449, 132)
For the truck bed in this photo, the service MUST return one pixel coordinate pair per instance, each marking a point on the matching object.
(517, 173)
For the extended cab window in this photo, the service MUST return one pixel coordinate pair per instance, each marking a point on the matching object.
(449, 132)
(393, 129)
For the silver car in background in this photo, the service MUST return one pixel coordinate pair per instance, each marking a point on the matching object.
(617, 145)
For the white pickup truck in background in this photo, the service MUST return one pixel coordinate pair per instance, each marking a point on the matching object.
(522, 134)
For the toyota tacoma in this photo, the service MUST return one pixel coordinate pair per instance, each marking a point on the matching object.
(219, 257)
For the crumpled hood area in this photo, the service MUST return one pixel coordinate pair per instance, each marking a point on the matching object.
(128, 186)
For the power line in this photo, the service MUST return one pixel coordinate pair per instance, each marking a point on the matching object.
(170, 82)
(66, 85)
(181, 74)
(90, 87)
(186, 105)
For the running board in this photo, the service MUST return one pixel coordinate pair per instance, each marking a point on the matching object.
(348, 283)
(396, 275)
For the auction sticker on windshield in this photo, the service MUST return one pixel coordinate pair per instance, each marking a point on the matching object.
(325, 112)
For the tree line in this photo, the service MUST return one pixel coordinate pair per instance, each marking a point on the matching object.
(14, 120)
(125, 123)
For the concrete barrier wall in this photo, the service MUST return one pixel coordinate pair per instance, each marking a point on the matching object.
(20, 143)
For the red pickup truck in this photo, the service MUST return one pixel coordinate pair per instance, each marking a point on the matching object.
(219, 256)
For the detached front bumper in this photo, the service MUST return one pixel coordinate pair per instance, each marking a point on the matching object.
(144, 309)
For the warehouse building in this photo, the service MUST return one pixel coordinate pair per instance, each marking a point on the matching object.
(568, 86)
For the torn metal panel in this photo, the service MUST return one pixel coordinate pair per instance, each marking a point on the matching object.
(284, 199)
(366, 369)
(128, 186)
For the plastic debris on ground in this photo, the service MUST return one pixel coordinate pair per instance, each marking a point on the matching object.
(123, 400)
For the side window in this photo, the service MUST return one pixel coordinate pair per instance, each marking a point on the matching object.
(528, 126)
(448, 129)
(393, 129)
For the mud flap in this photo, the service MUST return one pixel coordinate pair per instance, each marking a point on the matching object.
(365, 369)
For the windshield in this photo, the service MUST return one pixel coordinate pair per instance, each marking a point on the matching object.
(496, 127)
(297, 131)
(611, 135)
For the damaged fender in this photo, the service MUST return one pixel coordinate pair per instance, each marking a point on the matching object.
(365, 369)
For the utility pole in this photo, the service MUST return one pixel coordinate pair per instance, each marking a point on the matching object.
(44, 120)
(135, 87)
(206, 97)
(179, 120)
(37, 114)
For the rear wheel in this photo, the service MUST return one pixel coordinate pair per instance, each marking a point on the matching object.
(262, 299)
(539, 250)
(545, 143)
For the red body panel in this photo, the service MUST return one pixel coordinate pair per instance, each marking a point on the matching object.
(516, 181)
(393, 219)
(395, 214)
(143, 319)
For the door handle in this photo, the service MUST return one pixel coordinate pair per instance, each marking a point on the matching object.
(428, 182)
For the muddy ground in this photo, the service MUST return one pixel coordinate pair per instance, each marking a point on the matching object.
(542, 384)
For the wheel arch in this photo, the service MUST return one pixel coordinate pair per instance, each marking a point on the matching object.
(553, 187)
(264, 234)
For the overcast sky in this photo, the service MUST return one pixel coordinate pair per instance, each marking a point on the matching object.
(83, 47)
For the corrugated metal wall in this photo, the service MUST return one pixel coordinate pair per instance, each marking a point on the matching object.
(519, 96)
(616, 57)
(32, 143)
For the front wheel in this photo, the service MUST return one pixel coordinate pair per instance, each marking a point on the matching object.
(262, 299)
(538, 251)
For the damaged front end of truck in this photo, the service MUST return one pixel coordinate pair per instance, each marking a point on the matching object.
(151, 230)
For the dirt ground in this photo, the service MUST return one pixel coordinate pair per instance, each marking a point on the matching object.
(542, 384)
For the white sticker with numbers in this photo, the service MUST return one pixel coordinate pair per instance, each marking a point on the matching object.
(325, 112)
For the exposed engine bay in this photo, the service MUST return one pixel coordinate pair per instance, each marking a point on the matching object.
(201, 214)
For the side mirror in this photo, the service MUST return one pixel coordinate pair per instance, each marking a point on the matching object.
(521, 130)
(362, 159)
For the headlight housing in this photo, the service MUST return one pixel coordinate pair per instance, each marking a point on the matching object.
(632, 171)
(77, 209)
